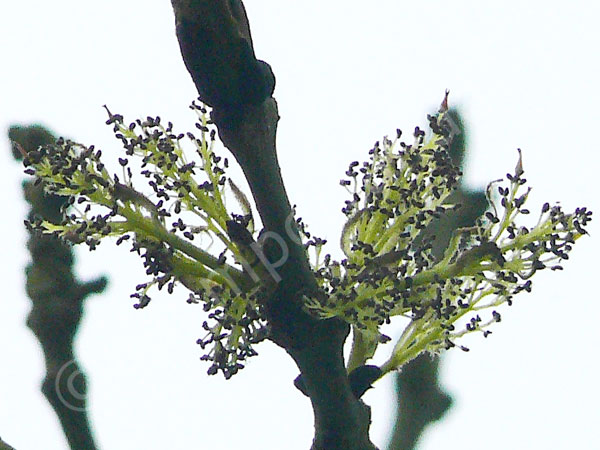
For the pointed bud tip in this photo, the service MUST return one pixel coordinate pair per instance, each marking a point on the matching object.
(519, 167)
(444, 105)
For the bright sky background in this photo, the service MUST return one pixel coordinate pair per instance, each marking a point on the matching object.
(348, 72)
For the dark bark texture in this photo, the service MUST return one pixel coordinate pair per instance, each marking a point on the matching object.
(216, 45)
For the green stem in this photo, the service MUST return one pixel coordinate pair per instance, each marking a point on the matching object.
(156, 230)
(359, 350)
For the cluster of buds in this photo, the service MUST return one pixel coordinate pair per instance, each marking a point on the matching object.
(185, 201)
(388, 270)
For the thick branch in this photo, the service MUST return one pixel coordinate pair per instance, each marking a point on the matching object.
(216, 45)
(217, 49)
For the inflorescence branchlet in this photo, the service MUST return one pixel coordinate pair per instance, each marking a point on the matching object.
(185, 202)
(388, 270)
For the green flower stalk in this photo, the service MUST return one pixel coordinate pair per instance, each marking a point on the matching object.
(387, 271)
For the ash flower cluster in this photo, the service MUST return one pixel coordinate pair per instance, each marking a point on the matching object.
(388, 271)
(185, 202)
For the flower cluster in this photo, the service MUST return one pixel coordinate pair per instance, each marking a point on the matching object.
(185, 201)
(389, 271)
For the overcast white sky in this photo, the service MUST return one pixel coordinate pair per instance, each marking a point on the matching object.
(523, 72)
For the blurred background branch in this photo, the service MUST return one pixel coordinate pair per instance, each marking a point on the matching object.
(57, 299)
(420, 400)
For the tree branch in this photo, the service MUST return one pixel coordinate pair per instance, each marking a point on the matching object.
(420, 398)
(215, 42)
(57, 303)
